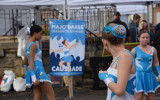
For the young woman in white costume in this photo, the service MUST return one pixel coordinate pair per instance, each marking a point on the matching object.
(120, 76)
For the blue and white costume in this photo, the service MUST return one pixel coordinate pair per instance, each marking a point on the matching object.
(145, 79)
(38, 67)
(129, 93)
(67, 57)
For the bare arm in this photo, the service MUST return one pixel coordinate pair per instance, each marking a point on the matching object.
(133, 52)
(32, 53)
(74, 44)
(123, 67)
(25, 59)
(155, 58)
(58, 50)
(156, 61)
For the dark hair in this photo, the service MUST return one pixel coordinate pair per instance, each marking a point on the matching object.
(110, 37)
(144, 21)
(142, 32)
(63, 42)
(117, 14)
(136, 16)
(35, 28)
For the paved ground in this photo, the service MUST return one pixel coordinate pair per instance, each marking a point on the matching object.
(83, 92)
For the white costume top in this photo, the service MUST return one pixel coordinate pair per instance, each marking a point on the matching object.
(129, 93)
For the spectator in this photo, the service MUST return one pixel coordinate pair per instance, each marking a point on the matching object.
(117, 20)
(157, 28)
(152, 28)
(144, 27)
(133, 28)
(157, 39)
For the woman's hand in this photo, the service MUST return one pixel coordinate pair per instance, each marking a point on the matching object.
(103, 72)
(102, 75)
(159, 80)
(36, 82)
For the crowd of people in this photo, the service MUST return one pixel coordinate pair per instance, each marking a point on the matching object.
(130, 74)
(135, 26)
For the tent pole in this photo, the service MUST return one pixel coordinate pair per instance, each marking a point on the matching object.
(68, 14)
(152, 15)
(148, 15)
(38, 22)
(64, 12)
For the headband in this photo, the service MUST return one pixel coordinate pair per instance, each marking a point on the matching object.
(118, 31)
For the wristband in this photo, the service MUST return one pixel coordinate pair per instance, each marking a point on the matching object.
(107, 81)
(158, 70)
(103, 76)
(33, 76)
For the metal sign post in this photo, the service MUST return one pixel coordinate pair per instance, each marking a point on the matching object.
(70, 86)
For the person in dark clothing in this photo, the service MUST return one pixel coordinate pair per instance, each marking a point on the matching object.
(144, 27)
(133, 28)
(116, 19)
(157, 39)
(157, 28)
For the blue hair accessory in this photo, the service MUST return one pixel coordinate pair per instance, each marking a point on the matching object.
(107, 29)
(118, 31)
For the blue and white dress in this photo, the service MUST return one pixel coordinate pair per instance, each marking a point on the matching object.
(67, 57)
(38, 67)
(129, 93)
(145, 79)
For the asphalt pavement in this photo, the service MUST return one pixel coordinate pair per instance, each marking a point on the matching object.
(82, 91)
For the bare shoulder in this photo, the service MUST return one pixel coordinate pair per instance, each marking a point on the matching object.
(33, 46)
(125, 60)
(126, 55)
(133, 50)
(154, 50)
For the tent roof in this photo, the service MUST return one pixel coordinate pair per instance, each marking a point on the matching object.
(109, 2)
(135, 6)
(74, 2)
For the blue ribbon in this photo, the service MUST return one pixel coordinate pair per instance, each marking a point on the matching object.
(109, 29)
(158, 70)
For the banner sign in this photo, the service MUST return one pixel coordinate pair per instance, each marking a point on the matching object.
(67, 47)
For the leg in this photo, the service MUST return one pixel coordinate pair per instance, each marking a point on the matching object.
(65, 80)
(150, 96)
(48, 90)
(138, 96)
(37, 93)
(68, 64)
(61, 63)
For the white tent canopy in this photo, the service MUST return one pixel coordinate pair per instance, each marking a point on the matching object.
(109, 2)
(132, 9)
(75, 2)
(123, 6)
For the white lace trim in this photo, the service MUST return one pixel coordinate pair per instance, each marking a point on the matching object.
(151, 91)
